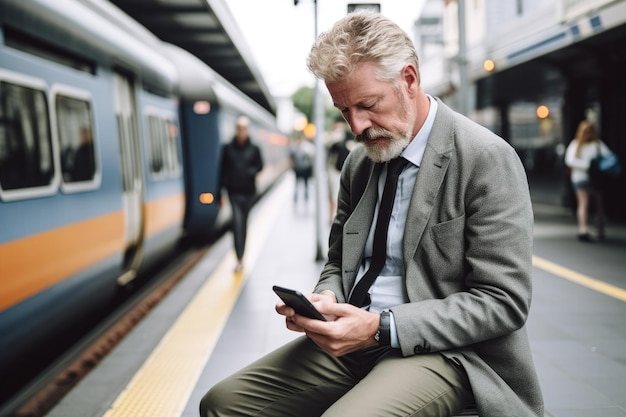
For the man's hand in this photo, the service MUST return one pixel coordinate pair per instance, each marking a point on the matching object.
(316, 299)
(348, 328)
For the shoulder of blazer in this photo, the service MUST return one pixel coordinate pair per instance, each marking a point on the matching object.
(442, 134)
(452, 129)
(360, 168)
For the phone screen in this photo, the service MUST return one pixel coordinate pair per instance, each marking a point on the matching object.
(296, 300)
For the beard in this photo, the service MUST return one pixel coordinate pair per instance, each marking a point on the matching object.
(389, 145)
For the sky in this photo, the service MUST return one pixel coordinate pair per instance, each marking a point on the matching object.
(279, 34)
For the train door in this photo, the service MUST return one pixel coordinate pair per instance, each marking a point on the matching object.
(132, 175)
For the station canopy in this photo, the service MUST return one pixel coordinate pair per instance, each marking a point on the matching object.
(207, 29)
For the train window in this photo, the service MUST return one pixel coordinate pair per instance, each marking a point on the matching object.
(163, 142)
(26, 153)
(156, 133)
(76, 139)
(173, 138)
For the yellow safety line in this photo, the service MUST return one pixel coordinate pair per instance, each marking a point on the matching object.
(578, 278)
(167, 378)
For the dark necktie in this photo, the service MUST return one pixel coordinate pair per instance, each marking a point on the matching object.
(360, 296)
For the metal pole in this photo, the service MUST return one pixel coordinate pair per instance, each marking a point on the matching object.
(464, 106)
(321, 195)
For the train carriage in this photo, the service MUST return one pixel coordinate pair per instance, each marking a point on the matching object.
(209, 107)
(105, 167)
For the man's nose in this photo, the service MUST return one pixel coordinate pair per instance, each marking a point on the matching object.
(359, 122)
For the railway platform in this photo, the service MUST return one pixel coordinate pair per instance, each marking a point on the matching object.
(216, 321)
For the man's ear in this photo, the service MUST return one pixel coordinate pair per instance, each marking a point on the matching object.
(411, 79)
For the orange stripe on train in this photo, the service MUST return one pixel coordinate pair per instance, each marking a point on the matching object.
(164, 213)
(32, 264)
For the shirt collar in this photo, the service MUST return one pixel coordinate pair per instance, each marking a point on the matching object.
(415, 151)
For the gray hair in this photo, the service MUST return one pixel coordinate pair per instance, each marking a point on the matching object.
(242, 121)
(362, 36)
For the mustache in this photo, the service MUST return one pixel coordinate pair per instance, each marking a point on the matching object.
(374, 133)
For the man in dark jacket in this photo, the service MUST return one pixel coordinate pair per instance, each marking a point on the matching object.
(241, 162)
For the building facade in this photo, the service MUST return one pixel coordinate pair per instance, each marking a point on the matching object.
(531, 70)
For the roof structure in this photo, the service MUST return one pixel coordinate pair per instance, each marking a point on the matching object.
(207, 29)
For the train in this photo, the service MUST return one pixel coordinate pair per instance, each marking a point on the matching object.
(110, 143)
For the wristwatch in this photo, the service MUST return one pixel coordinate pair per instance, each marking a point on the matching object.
(383, 334)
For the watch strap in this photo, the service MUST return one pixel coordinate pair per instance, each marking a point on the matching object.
(384, 329)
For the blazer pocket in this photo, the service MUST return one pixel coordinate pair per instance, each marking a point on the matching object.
(449, 241)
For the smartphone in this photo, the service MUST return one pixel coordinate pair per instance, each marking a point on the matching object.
(296, 300)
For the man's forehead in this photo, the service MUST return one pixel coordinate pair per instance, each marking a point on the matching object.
(357, 92)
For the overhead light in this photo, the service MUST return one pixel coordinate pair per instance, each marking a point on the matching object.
(543, 111)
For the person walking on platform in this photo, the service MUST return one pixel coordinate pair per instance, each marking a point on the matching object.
(302, 153)
(578, 155)
(425, 314)
(241, 162)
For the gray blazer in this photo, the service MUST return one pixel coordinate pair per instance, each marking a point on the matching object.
(467, 255)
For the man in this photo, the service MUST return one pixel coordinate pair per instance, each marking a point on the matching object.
(241, 162)
(301, 155)
(445, 323)
(84, 166)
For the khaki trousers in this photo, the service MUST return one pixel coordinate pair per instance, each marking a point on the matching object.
(301, 380)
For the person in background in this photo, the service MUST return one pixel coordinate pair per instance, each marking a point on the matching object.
(84, 163)
(585, 146)
(302, 153)
(241, 162)
(443, 323)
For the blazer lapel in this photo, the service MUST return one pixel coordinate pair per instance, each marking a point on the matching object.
(429, 179)
(356, 229)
